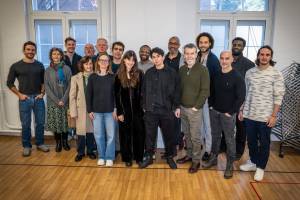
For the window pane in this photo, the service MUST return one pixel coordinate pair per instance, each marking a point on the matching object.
(84, 31)
(48, 34)
(219, 29)
(234, 5)
(64, 5)
(254, 34)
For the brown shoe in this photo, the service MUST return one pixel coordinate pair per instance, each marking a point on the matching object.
(194, 168)
(183, 160)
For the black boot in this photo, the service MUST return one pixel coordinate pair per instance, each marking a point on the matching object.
(65, 141)
(57, 137)
(229, 169)
(148, 160)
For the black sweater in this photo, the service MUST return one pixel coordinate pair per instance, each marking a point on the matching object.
(100, 93)
(29, 75)
(227, 92)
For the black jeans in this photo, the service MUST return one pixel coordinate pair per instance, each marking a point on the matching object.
(166, 122)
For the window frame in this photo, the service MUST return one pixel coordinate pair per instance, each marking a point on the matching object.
(236, 16)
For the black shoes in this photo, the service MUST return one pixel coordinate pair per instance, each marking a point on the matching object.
(183, 160)
(194, 168)
(171, 163)
(65, 144)
(78, 157)
(146, 162)
(205, 156)
(229, 170)
(128, 164)
(92, 156)
(58, 146)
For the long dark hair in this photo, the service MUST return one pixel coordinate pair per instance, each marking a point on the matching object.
(134, 72)
(272, 62)
(82, 61)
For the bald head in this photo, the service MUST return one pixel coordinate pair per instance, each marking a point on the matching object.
(89, 49)
(226, 60)
(173, 45)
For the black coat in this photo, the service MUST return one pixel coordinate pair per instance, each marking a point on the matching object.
(75, 63)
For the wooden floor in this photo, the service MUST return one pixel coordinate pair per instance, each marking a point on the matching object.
(56, 176)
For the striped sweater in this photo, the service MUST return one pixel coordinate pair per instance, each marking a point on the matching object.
(264, 88)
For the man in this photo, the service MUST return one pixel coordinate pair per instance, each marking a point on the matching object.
(71, 58)
(89, 50)
(205, 43)
(145, 63)
(117, 52)
(265, 90)
(227, 96)
(174, 59)
(30, 75)
(160, 101)
(194, 79)
(101, 45)
(241, 64)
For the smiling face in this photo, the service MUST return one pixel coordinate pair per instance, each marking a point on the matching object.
(56, 56)
(29, 51)
(190, 55)
(144, 53)
(88, 66)
(129, 63)
(226, 59)
(70, 46)
(103, 63)
(89, 50)
(173, 45)
(204, 44)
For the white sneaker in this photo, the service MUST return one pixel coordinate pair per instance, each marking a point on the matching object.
(101, 162)
(248, 166)
(259, 174)
(109, 163)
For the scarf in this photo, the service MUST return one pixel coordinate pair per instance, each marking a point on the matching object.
(59, 72)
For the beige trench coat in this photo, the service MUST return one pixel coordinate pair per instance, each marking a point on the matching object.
(78, 106)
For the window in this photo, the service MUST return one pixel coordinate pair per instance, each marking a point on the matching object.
(227, 19)
(219, 29)
(253, 32)
(48, 35)
(64, 5)
(234, 5)
(84, 31)
(51, 21)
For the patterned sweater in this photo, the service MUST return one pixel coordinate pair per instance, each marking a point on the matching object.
(264, 88)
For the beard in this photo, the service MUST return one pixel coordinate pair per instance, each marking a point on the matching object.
(29, 55)
(204, 49)
(236, 53)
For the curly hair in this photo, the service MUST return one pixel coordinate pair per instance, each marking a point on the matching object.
(210, 38)
(56, 49)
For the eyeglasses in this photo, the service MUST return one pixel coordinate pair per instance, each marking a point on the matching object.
(103, 60)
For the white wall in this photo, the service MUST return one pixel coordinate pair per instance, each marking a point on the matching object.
(286, 40)
(137, 22)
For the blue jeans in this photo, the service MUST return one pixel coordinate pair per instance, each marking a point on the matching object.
(104, 132)
(258, 139)
(25, 109)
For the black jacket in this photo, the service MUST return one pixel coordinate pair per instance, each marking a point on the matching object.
(75, 62)
(128, 99)
(170, 89)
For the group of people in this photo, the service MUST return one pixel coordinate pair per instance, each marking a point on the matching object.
(195, 98)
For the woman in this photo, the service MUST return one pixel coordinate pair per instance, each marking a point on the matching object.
(84, 125)
(100, 106)
(57, 87)
(129, 110)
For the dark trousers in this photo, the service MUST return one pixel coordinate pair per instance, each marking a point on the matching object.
(166, 122)
(220, 122)
(85, 141)
(240, 137)
(258, 138)
(132, 139)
